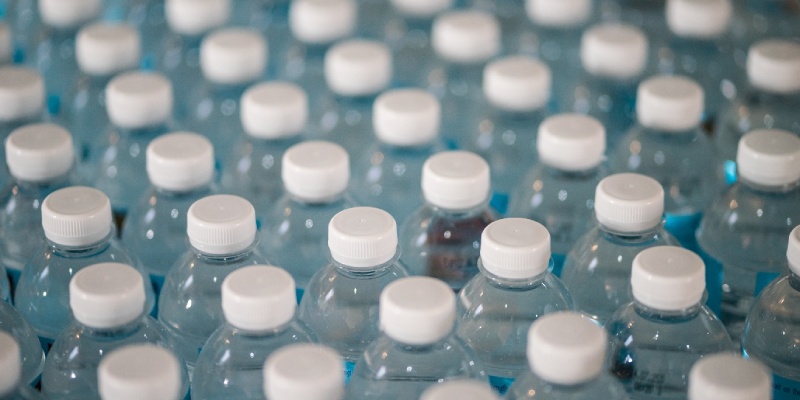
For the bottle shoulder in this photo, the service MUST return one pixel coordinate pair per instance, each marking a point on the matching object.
(603, 387)
(386, 358)
(229, 342)
(482, 297)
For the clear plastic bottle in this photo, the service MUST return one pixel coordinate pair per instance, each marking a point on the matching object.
(558, 191)
(11, 383)
(566, 353)
(340, 303)
(743, 232)
(460, 389)
(149, 18)
(418, 347)
(315, 177)
(304, 371)
(108, 309)
(514, 289)
(726, 376)
(271, 18)
(222, 238)
(180, 167)
(78, 232)
(772, 329)
(140, 372)
(629, 212)
(41, 159)
(387, 175)
(5, 285)
(442, 238)
(22, 104)
(656, 338)
(259, 306)
(32, 355)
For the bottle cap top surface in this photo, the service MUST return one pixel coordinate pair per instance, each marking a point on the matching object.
(107, 295)
(727, 376)
(316, 170)
(774, 66)
(358, 67)
(221, 224)
(417, 310)
(629, 202)
(322, 21)
(701, 19)
(517, 84)
(362, 237)
(273, 110)
(196, 17)
(669, 103)
(233, 56)
(668, 278)
(769, 157)
(455, 180)
(104, 49)
(566, 349)
(406, 117)
(180, 161)
(21, 93)
(559, 13)
(258, 298)
(615, 51)
(515, 248)
(76, 216)
(304, 372)
(571, 142)
(139, 371)
(39, 152)
(137, 100)
(466, 37)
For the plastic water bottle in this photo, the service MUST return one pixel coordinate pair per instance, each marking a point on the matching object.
(304, 371)
(668, 145)
(11, 385)
(222, 238)
(656, 338)
(180, 166)
(442, 238)
(558, 191)
(22, 104)
(629, 212)
(140, 372)
(770, 101)
(418, 348)
(387, 175)
(743, 232)
(149, 18)
(516, 91)
(566, 354)
(315, 177)
(231, 60)
(460, 389)
(727, 376)
(41, 159)
(79, 232)
(32, 355)
(513, 290)
(271, 18)
(5, 285)
(274, 115)
(139, 106)
(108, 308)
(340, 303)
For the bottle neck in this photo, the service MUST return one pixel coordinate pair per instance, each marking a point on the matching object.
(632, 237)
(82, 251)
(228, 257)
(115, 331)
(459, 213)
(669, 315)
(367, 272)
(774, 189)
(514, 284)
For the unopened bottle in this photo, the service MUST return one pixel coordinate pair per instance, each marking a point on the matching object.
(656, 338)
(108, 309)
(417, 348)
(566, 355)
(442, 238)
(514, 289)
(558, 190)
(79, 232)
(315, 176)
(304, 371)
(259, 304)
(364, 259)
(22, 103)
(180, 167)
(465, 389)
(726, 376)
(629, 212)
(31, 353)
(222, 238)
(140, 372)
(11, 385)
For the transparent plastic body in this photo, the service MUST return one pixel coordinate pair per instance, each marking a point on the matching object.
(305, 66)
(5, 286)
(179, 60)
(612, 102)
(344, 120)
(458, 88)
(530, 386)
(84, 115)
(30, 348)
(410, 42)
(559, 48)
(272, 19)
(22, 393)
(51, 52)
(213, 111)
(150, 20)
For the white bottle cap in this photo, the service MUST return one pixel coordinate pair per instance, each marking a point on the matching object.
(571, 142)
(10, 363)
(139, 100)
(406, 117)
(104, 49)
(304, 371)
(358, 67)
(466, 36)
(322, 21)
(139, 371)
(258, 298)
(668, 278)
(107, 295)
(517, 83)
(417, 310)
(180, 161)
(629, 203)
(566, 349)
(195, 17)
(558, 13)
(793, 250)
(669, 103)
(728, 376)
(774, 66)
(515, 248)
(21, 93)
(233, 56)
(67, 14)
(362, 237)
(76, 216)
(221, 224)
(459, 389)
(39, 152)
(421, 9)
(273, 110)
(769, 157)
(701, 19)
(315, 170)
(6, 44)
(614, 50)
(455, 180)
